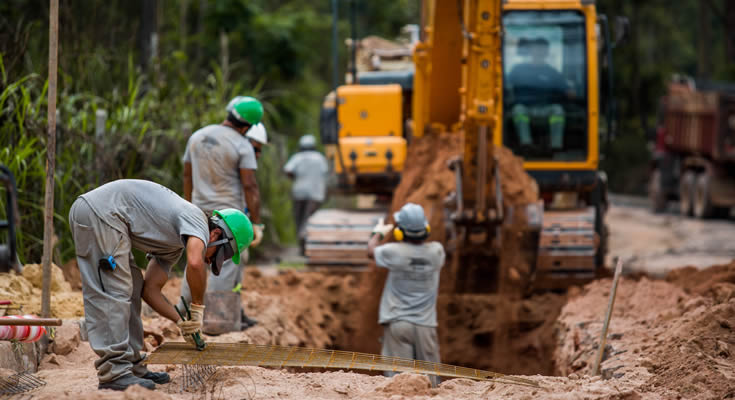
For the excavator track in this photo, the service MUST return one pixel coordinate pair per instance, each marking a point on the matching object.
(340, 237)
(568, 245)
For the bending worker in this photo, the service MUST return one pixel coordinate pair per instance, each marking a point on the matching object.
(219, 172)
(107, 223)
(408, 305)
(308, 168)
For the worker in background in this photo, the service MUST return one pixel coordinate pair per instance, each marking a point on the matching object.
(537, 90)
(308, 168)
(219, 172)
(408, 305)
(106, 224)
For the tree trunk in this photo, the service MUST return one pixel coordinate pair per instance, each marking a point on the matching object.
(704, 47)
(730, 29)
(148, 31)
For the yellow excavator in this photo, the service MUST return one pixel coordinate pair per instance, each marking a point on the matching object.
(524, 74)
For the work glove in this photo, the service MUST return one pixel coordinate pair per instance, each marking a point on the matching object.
(382, 229)
(193, 325)
(257, 234)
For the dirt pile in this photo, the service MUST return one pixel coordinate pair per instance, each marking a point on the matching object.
(676, 343)
(717, 281)
(25, 290)
(427, 179)
(308, 309)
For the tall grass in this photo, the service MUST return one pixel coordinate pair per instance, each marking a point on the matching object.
(144, 139)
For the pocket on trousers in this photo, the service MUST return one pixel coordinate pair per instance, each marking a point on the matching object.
(84, 239)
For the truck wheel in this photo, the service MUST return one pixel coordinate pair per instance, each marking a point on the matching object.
(656, 194)
(686, 193)
(703, 207)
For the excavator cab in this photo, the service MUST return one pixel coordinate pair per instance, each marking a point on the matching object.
(551, 118)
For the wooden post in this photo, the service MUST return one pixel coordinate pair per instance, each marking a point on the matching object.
(606, 324)
(48, 214)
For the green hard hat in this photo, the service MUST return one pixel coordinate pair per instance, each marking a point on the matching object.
(240, 228)
(247, 110)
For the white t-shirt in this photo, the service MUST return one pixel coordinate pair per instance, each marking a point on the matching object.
(309, 169)
(217, 153)
(413, 281)
(156, 219)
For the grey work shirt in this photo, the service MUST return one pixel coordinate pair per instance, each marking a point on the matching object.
(309, 169)
(217, 153)
(156, 219)
(413, 282)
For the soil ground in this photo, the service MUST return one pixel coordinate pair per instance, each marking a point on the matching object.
(671, 335)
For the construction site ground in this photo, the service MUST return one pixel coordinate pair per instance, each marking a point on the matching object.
(671, 334)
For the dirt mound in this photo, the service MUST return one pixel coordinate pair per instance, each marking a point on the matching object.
(427, 179)
(308, 309)
(717, 281)
(406, 385)
(25, 290)
(674, 343)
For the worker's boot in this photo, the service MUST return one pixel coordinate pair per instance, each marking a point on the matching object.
(157, 377)
(125, 382)
(246, 322)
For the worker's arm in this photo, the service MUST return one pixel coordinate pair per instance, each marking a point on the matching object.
(187, 181)
(196, 269)
(380, 231)
(372, 244)
(252, 194)
(155, 278)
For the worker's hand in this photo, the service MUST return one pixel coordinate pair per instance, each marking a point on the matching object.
(257, 234)
(188, 328)
(382, 228)
(194, 325)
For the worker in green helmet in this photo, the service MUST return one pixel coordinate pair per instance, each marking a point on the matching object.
(220, 162)
(107, 223)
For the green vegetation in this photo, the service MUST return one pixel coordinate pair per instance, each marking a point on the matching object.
(206, 52)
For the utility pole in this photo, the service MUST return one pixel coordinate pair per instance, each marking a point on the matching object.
(335, 52)
(353, 24)
(48, 215)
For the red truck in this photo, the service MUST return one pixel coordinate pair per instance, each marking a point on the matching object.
(694, 155)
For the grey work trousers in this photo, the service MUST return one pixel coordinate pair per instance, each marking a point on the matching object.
(230, 277)
(302, 210)
(112, 304)
(407, 340)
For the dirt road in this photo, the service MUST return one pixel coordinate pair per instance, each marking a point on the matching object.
(658, 243)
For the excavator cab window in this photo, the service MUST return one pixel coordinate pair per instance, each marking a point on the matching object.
(545, 85)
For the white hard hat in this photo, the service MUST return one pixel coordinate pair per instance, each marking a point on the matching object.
(258, 133)
(412, 220)
(307, 142)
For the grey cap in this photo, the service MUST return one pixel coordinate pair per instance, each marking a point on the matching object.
(411, 219)
(307, 142)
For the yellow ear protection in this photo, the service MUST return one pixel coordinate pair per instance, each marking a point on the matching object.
(399, 234)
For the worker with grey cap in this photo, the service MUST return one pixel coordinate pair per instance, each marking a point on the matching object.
(219, 172)
(308, 169)
(408, 304)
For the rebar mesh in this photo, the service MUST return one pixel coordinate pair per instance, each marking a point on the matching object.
(194, 377)
(244, 354)
(19, 383)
